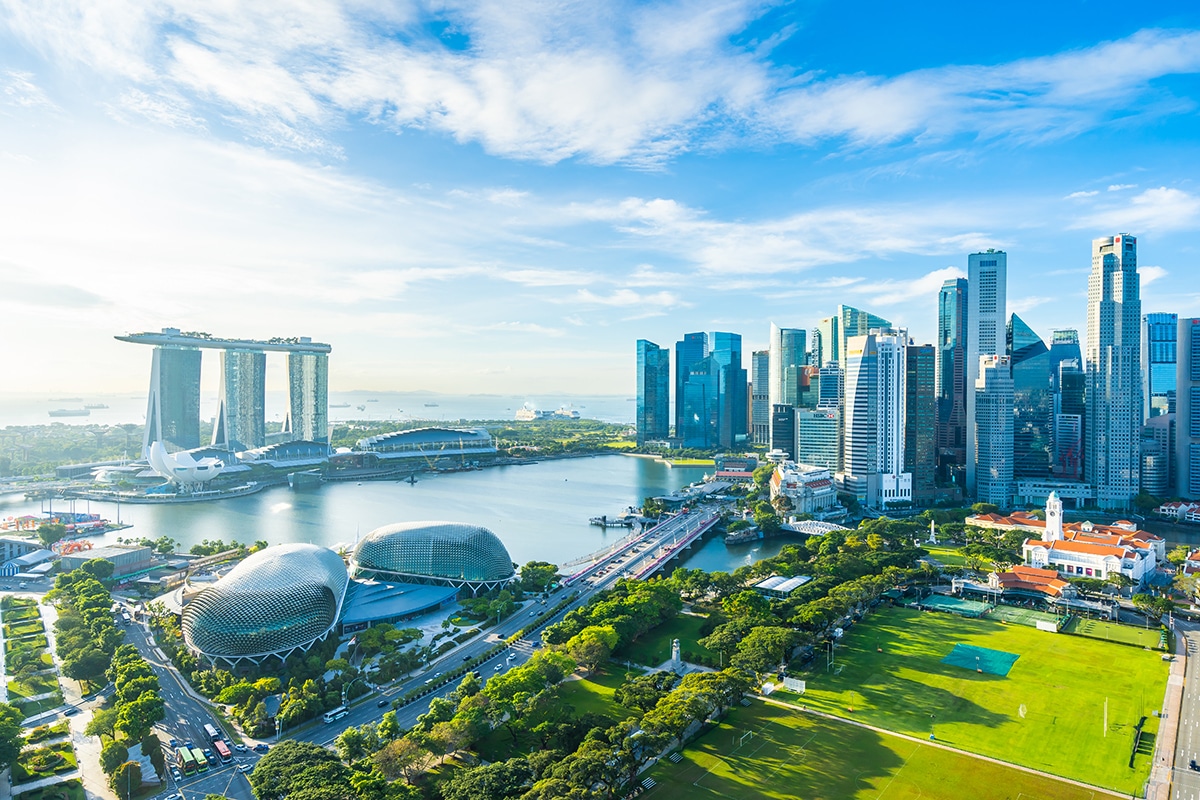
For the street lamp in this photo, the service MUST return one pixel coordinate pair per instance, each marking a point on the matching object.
(346, 688)
(932, 720)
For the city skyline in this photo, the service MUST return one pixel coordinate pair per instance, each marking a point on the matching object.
(454, 232)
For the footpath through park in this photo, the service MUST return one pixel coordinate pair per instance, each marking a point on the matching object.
(935, 743)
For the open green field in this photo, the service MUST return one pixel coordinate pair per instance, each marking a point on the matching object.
(38, 684)
(797, 755)
(949, 554)
(654, 646)
(38, 642)
(23, 628)
(44, 762)
(34, 707)
(1047, 713)
(67, 790)
(1098, 629)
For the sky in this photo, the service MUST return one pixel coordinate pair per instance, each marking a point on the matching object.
(504, 196)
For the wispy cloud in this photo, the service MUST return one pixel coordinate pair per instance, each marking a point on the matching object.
(1120, 187)
(1150, 274)
(1080, 195)
(1161, 209)
(602, 83)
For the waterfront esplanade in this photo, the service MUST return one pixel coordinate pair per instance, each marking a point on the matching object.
(173, 404)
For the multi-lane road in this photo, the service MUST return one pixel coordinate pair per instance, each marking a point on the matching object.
(1186, 781)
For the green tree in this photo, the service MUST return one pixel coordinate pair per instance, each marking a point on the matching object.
(537, 576)
(763, 649)
(499, 781)
(113, 755)
(11, 735)
(98, 568)
(152, 749)
(644, 691)
(300, 769)
(388, 728)
(102, 723)
(126, 780)
(401, 758)
(592, 646)
(137, 717)
(1146, 502)
(1178, 555)
(51, 532)
(984, 508)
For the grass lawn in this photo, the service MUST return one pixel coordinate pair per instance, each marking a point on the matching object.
(67, 790)
(39, 684)
(12, 630)
(1047, 713)
(949, 554)
(795, 755)
(1098, 629)
(30, 709)
(43, 762)
(36, 642)
(654, 646)
(43, 732)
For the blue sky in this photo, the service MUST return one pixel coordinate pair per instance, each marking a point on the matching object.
(503, 196)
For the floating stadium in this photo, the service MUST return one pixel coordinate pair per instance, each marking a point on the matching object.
(286, 598)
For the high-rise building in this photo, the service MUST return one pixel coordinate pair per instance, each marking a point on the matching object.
(829, 388)
(241, 422)
(734, 400)
(173, 406)
(855, 322)
(819, 438)
(653, 388)
(783, 429)
(1113, 426)
(951, 382)
(1187, 410)
(873, 420)
(1158, 437)
(1069, 412)
(1064, 346)
(920, 454)
(715, 403)
(809, 395)
(827, 342)
(993, 431)
(760, 400)
(788, 355)
(308, 395)
(1033, 401)
(1159, 332)
(689, 351)
(987, 311)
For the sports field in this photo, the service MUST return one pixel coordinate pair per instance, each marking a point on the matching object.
(1098, 629)
(1021, 616)
(795, 755)
(1046, 713)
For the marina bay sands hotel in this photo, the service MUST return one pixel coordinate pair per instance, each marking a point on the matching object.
(173, 407)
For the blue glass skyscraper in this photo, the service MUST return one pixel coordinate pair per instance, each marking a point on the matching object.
(690, 350)
(1159, 334)
(653, 386)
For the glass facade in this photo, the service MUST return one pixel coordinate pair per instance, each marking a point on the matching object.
(1033, 401)
(760, 399)
(308, 396)
(447, 552)
(173, 409)
(783, 428)
(689, 351)
(278, 600)
(1159, 347)
(653, 387)
(920, 454)
(715, 406)
(242, 415)
(951, 381)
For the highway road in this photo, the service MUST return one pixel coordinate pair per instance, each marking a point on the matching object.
(1185, 781)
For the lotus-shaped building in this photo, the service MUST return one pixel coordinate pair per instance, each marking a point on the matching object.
(452, 553)
(278, 601)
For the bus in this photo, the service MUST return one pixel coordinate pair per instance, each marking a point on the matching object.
(222, 751)
(187, 764)
(201, 761)
(211, 732)
(336, 714)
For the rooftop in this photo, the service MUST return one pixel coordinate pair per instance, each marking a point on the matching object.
(173, 337)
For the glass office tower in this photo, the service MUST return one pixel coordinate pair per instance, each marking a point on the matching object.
(173, 406)
(951, 382)
(308, 396)
(653, 386)
(1159, 334)
(241, 422)
(1033, 401)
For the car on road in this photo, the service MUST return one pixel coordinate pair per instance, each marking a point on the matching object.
(212, 758)
(467, 657)
(428, 681)
(499, 667)
(174, 797)
(384, 702)
(244, 768)
(241, 748)
(70, 711)
(1193, 765)
(261, 748)
(176, 774)
(174, 743)
(188, 744)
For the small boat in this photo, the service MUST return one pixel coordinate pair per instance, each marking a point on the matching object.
(339, 405)
(91, 406)
(431, 405)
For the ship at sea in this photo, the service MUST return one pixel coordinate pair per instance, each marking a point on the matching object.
(94, 406)
(567, 412)
(527, 413)
(431, 405)
(70, 412)
(339, 405)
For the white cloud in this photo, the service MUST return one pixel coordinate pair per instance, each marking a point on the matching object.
(604, 82)
(627, 298)
(1078, 195)
(894, 292)
(1120, 187)
(1019, 305)
(1151, 274)
(1161, 209)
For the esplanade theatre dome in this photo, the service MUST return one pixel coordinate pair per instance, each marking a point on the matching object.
(277, 601)
(439, 552)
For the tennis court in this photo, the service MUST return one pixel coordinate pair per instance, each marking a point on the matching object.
(993, 662)
(1022, 616)
(954, 605)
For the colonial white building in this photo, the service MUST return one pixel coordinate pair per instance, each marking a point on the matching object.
(1082, 549)
(810, 488)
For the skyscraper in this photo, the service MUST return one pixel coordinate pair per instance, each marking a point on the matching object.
(241, 422)
(692, 349)
(788, 355)
(1033, 401)
(1187, 410)
(873, 420)
(829, 388)
(993, 432)
(760, 400)
(920, 454)
(855, 322)
(733, 399)
(715, 403)
(1114, 381)
(827, 341)
(1069, 412)
(653, 387)
(1159, 332)
(951, 381)
(987, 279)
(308, 394)
(173, 406)
(819, 438)
(783, 429)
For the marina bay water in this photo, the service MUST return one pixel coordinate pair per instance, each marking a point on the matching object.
(540, 511)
